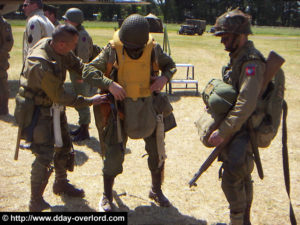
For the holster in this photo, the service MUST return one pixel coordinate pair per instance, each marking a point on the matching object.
(27, 132)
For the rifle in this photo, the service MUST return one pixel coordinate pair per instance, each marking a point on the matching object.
(211, 158)
(273, 64)
(255, 149)
(28, 131)
(116, 118)
(18, 144)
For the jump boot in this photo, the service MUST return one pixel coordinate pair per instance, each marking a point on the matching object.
(249, 196)
(75, 132)
(3, 105)
(236, 218)
(37, 202)
(105, 205)
(82, 134)
(62, 186)
(156, 193)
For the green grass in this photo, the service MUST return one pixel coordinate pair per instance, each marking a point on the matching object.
(257, 30)
(202, 51)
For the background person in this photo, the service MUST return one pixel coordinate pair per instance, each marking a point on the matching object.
(38, 25)
(50, 11)
(6, 44)
(84, 50)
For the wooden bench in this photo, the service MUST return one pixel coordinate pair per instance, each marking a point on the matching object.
(189, 81)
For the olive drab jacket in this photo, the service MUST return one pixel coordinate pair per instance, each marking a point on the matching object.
(38, 26)
(6, 43)
(45, 72)
(245, 73)
(84, 48)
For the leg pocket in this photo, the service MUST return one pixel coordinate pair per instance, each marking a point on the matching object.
(43, 132)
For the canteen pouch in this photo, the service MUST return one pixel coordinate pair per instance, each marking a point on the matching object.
(24, 111)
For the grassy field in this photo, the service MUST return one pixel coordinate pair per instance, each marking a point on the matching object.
(281, 31)
(204, 204)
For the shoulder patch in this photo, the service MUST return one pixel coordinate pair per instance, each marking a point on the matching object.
(8, 29)
(250, 70)
(83, 39)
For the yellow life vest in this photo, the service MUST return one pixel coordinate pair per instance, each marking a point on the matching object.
(134, 74)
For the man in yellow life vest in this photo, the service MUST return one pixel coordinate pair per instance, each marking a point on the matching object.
(127, 68)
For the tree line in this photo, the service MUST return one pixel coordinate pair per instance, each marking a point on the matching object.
(263, 12)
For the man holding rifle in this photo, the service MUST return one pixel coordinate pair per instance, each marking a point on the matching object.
(245, 72)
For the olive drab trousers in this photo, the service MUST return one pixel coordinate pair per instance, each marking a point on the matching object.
(114, 152)
(44, 150)
(4, 92)
(236, 177)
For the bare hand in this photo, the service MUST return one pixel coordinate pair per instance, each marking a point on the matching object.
(99, 99)
(215, 139)
(117, 91)
(158, 84)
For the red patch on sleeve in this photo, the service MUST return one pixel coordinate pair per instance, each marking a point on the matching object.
(250, 70)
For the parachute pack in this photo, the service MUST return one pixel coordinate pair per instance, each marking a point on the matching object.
(219, 97)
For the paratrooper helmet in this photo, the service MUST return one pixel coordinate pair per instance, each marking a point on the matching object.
(234, 21)
(134, 31)
(75, 15)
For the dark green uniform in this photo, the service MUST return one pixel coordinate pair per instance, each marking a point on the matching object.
(94, 74)
(43, 78)
(245, 73)
(6, 43)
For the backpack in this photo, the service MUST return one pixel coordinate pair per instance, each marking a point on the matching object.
(269, 110)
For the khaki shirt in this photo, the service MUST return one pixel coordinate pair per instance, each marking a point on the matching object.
(84, 48)
(94, 71)
(44, 74)
(6, 43)
(38, 26)
(246, 72)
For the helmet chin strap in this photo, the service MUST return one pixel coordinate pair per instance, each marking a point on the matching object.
(235, 43)
(134, 53)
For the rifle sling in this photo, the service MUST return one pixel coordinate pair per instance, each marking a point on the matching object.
(285, 160)
(255, 149)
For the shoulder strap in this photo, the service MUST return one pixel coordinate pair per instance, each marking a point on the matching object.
(155, 66)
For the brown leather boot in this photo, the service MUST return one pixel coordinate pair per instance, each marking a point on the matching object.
(83, 133)
(62, 186)
(156, 193)
(37, 202)
(4, 100)
(75, 132)
(105, 205)
(236, 218)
